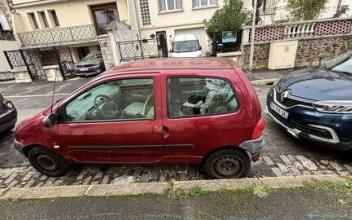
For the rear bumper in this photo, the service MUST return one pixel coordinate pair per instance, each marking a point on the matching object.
(253, 148)
(8, 120)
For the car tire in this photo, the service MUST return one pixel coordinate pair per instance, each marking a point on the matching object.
(48, 162)
(226, 164)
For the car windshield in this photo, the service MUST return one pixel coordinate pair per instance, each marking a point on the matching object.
(185, 46)
(92, 56)
(341, 64)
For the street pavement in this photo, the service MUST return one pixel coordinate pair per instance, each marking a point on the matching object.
(283, 154)
(299, 203)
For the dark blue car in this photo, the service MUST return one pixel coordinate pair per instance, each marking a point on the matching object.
(316, 103)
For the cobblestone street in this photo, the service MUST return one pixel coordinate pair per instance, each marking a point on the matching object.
(283, 155)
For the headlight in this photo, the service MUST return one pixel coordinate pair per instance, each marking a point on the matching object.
(341, 107)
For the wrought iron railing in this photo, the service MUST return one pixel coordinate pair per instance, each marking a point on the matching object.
(6, 35)
(58, 35)
(138, 49)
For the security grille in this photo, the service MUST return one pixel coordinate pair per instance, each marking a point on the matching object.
(144, 6)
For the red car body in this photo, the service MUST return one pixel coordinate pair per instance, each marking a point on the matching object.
(162, 140)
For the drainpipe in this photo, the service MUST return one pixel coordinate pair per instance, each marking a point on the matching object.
(251, 57)
(137, 17)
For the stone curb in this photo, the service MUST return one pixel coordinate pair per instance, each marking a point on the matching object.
(263, 82)
(162, 188)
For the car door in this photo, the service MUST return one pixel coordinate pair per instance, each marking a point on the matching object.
(115, 121)
(201, 115)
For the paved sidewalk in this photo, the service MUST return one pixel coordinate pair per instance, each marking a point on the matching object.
(284, 165)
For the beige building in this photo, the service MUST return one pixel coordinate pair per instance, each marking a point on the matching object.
(7, 38)
(167, 18)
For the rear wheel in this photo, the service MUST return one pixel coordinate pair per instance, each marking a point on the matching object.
(48, 162)
(228, 163)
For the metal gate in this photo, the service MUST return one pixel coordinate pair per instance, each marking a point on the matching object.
(23, 59)
(138, 49)
(32, 60)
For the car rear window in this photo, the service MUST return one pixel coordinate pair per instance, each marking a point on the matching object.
(199, 96)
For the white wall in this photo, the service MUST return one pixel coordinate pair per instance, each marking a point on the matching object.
(6, 45)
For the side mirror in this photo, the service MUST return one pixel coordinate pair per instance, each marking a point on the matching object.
(50, 120)
(200, 47)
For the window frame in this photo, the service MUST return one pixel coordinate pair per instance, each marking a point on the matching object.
(53, 17)
(167, 8)
(33, 20)
(200, 76)
(44, 19)
(61, 111)
(204, 6)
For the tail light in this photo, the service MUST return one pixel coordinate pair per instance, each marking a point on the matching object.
(258, 130)
(7, 105)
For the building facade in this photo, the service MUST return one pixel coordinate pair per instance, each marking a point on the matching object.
(7, 37)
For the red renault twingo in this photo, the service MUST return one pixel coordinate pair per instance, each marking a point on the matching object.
(195, 111)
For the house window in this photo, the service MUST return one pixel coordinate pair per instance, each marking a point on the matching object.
(103, 15)
(199, 96)
(53, 17)
(43, 18)
(33, 20)
(145, 12)
(203, 3)
(170, 5)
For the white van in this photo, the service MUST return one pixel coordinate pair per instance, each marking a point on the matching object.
(185, 45)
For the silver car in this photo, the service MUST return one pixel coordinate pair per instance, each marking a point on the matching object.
(91, 65)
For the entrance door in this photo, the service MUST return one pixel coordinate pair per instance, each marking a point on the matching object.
(162, 43)
(115, 121)
(103, 15)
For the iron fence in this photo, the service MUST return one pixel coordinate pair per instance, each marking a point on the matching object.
(58, 35)
(138, 49)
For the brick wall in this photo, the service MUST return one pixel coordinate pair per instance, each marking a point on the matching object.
(261, 55)
(311, 51)
(106, 50)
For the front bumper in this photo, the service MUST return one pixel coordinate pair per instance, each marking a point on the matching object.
(89, 71)
(306, 123)
(253, 148)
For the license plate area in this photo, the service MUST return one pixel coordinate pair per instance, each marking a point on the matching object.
(279, 110)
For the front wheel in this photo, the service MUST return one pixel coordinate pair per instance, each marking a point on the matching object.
(48, 162)
(228, 163)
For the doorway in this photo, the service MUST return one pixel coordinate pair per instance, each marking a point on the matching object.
(103, 15)
(162, 43)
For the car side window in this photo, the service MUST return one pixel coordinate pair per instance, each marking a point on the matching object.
(126, 99)
(197, 96)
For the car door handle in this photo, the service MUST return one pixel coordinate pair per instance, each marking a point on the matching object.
(165, 131)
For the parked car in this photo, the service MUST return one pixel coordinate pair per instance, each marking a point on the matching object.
(164, 111)
(185, 45)
(315, 104)
(91, 65)
(8, 115)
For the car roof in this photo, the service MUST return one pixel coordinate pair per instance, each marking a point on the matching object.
(165, 64)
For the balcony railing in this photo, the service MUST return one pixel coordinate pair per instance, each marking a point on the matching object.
(58, 36)
(7, 35)
(298, 30)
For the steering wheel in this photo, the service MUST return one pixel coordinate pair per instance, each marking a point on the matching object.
(105, 106)
(146, 104)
